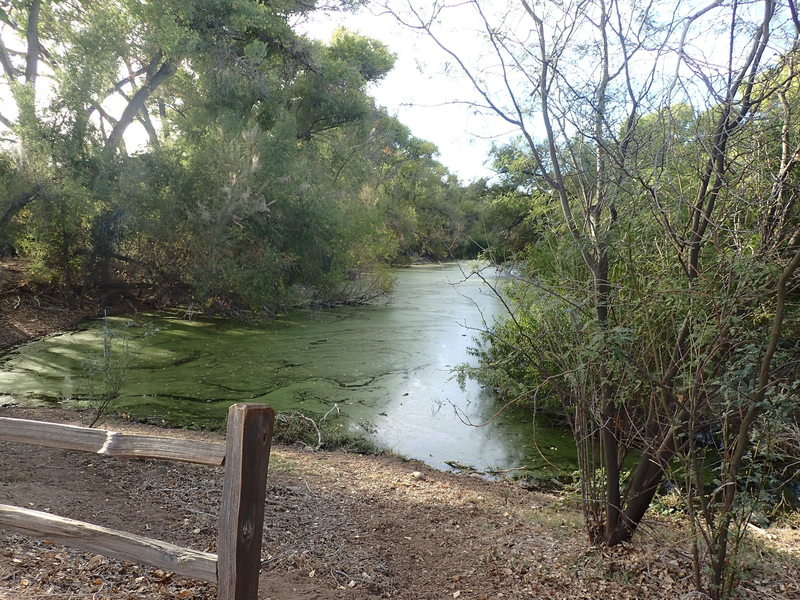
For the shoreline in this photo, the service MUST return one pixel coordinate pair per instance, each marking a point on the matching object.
(28, 314)
(24, 323)
(338, 525)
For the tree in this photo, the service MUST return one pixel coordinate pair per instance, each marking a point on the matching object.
(331, 93)
(430, 214)
(78, 75)
(629, 324)
(254, 196)
(231, 196)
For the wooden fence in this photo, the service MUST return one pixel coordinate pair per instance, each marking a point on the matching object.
(245, 456)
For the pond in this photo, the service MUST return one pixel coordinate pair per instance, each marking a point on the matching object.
(388, 367)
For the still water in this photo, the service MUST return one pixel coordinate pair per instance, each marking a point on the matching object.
(388, 367)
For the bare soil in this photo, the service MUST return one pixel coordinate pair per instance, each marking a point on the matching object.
(27, 313)
(342, 526)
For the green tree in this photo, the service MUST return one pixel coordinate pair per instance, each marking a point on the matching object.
(89, 70)
(233, 198)
(430, 213)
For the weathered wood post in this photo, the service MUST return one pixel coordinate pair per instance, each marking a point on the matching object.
(241, 519)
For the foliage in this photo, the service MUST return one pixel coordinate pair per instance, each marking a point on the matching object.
(104, 373)
(422, 204)
(266, 179)
(656, 289)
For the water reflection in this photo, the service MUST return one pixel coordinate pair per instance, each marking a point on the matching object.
(388, 366)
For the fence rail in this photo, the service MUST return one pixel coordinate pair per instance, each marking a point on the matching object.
(110, 542)
(245, 456)
(110, 443)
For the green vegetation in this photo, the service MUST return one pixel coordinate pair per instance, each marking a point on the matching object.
(104, 372)
(649, 209)
(656, 244)
(268, 177)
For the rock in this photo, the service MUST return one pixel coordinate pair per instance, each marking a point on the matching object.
(418, 475)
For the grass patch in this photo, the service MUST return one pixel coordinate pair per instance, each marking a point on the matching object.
(283, 464)
(320, 433)
(561, 515)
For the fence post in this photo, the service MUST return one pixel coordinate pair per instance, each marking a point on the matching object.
(241, 519)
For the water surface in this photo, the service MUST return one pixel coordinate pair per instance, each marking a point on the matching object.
(388, 367)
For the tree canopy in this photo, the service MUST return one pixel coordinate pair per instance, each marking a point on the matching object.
(209, 151)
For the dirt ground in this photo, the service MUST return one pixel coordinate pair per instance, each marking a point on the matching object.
(339, 526)
(26, 314)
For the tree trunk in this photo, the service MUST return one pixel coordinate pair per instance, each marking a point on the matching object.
(32, 38)
(137, 102)
(17, 205)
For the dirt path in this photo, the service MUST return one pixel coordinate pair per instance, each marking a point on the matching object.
(337, 526)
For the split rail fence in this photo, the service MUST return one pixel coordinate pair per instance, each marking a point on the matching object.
(245, 456)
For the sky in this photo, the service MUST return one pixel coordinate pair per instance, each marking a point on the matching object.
(423, 90)
(419, 93)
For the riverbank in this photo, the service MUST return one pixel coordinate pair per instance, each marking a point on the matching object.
(26, 314)
(338, 525)
(348, 526)
(387, 368)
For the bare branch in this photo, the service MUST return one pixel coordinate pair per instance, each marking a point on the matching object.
(157, 74)
(5, 61)
(424, 25)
